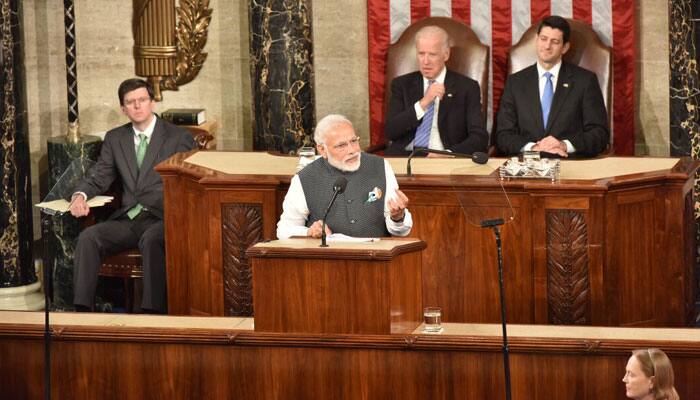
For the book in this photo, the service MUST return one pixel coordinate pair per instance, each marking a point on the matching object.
(184, 116)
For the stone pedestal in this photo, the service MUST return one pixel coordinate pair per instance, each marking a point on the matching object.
(24, 298)
(64, 231)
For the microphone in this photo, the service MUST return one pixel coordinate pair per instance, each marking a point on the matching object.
(478, 156)
(338, 188)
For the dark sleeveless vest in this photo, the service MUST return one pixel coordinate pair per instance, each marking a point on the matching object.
(351, 213)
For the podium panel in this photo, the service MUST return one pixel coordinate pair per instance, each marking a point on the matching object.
(358, 288)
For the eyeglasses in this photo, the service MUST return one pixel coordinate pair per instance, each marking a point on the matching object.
(140, 101)
(342, 146)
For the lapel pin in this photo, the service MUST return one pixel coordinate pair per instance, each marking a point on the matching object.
(565, 84)
(449, 94)
(374, 195)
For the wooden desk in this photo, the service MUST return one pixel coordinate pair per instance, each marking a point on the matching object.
(611, 251)
(135, 357)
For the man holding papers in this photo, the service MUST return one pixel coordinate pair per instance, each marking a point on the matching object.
(129, 153)
(371, 204)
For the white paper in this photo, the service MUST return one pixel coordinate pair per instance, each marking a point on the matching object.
(62, 205)
(339, 237)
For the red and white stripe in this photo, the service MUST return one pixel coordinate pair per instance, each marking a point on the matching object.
(500, 24)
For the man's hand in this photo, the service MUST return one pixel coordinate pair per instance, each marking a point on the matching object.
(550, 144)
(315, 229)
(78, 206)
(436, 90)
(397, 206)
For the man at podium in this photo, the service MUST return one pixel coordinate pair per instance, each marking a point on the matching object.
(368, 201)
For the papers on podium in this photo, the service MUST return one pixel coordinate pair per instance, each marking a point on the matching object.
(62, 205)
(339, 237)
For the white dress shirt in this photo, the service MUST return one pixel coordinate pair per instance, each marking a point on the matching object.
(295, 210)
(542, 82)
(435, 141)
(148, 132)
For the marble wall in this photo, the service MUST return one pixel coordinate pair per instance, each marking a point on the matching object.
(104, 46)
(652, 109)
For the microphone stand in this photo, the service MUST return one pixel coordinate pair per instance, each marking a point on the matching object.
(494, 224)
(325, 215)
(477, 157)
(47, 225)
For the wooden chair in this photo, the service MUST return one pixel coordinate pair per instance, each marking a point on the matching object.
(468, 56)
(128, 265)
(586, 50)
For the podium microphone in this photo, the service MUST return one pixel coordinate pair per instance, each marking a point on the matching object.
(478, 156)
(338, 188)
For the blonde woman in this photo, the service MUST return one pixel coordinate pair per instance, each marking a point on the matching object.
(649, 375)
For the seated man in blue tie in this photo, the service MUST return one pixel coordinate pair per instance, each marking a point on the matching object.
(129, 154)
(434, 107)
(371, 205)
(552, 106)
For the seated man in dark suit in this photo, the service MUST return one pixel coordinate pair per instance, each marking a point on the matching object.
(434, 107)
(129, 153)
(552, 106)
(371, 204)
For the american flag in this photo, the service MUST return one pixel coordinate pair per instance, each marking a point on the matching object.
(500, 24)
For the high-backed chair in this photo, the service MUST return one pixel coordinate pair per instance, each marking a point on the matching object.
(128, 265)
(468, 56)
(586, 50)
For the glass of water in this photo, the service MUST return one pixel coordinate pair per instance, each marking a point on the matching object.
(307, 155)
(432, 319)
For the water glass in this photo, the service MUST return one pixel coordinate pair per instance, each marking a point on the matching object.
(432, 317)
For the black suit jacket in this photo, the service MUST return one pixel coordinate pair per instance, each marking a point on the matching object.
(118, 160)
(577, 114)
(460, 121)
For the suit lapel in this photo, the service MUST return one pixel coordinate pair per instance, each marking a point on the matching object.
(564, 83)
(532, 84)
(129, 149)
(446, 100)
(154, 145)
(417, 87)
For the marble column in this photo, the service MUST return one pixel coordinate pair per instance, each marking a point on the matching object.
(684, 36)
(19, 287)
(64, 231)
(685, 82)
(282, 74)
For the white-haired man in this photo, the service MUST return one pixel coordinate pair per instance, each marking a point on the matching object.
(434, 107)
(371, 204)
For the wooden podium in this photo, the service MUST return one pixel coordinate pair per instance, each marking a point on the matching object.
(358, 288)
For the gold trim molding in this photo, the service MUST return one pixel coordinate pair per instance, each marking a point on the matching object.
(170, 56)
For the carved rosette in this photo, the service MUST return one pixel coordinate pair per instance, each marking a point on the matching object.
(241, 228)
(568, 285)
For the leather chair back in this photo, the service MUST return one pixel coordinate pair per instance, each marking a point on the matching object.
(468, 56)
(586, 50)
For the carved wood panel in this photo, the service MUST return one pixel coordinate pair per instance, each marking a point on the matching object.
(241, 227)
(568, 285)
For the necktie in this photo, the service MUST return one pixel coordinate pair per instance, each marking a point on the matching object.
(140, 153)
(141, 150)
(547, 95)
(422, 138)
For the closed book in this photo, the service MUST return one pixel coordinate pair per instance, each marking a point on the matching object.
(184, 116)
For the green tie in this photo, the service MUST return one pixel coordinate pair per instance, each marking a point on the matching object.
(140, 153)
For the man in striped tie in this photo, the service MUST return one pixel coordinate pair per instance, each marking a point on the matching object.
(552, 106)
(434, 107)
(129, 154)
